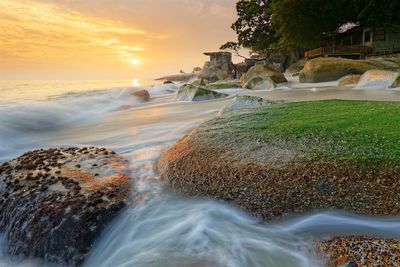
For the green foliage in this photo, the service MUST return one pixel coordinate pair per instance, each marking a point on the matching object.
(271, 24)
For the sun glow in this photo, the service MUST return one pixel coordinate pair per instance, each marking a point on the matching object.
(135, 82)
(135, 61)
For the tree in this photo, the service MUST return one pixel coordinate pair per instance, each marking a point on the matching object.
(303, 22)
(286, 24)
(253, 26)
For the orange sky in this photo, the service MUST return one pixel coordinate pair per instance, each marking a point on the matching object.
(109, 39)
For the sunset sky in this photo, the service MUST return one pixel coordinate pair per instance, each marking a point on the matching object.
(109, 39)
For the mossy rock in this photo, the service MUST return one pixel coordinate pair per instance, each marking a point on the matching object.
(293, 158)
(222, 85)
(331, 69)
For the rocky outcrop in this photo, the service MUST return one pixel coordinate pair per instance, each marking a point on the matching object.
(349, 80)
(261, 77)
(55, 202)
(293, 158)
(142, 95)
(378, 79)
(243, 103)
(330, 69)
(357, 251)
(212, 73)
(189, 92)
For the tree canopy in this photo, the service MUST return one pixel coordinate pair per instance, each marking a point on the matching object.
(266, 24)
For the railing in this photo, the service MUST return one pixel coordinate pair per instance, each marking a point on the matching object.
(314, 53)
(339, 51)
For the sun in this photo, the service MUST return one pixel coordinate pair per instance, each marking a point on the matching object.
(134, 61)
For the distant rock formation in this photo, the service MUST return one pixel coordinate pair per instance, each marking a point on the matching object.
(182, 77)
(55, 202)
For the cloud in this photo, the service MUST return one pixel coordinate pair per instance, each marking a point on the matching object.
(33, 31)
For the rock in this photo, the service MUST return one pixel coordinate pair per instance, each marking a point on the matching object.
(353, 251)
(244, 104)
(260, 83)
(260, 76)
(349, 80)
(293, 158)
(198, 82)
(182, 77)
(190, 92)
(168, 82)
(396, 83)
(378, 79)
(296, 67)
(330, 69)
(241, 69)
(213, 73)
(55, 202)
(143, 95)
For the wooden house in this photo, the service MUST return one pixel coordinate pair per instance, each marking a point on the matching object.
(358, 43)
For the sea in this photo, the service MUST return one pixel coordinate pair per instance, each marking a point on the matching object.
(166, 228)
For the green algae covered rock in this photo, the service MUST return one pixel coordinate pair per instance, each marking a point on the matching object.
(293, 158)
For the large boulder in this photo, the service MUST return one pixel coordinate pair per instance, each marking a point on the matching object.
(354, 251)
(293, 158)
(330, 69)
(260, 83)
(378, 79)
(189, 92)
(261, 76)
(55, 202)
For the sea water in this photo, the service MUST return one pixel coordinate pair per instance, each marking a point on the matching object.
(166, 228)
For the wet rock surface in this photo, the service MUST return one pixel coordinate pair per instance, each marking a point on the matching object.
(55, 202)
(357, 251)
(142, 95)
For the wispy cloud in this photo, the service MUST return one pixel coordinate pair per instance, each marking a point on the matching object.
(32, 30)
